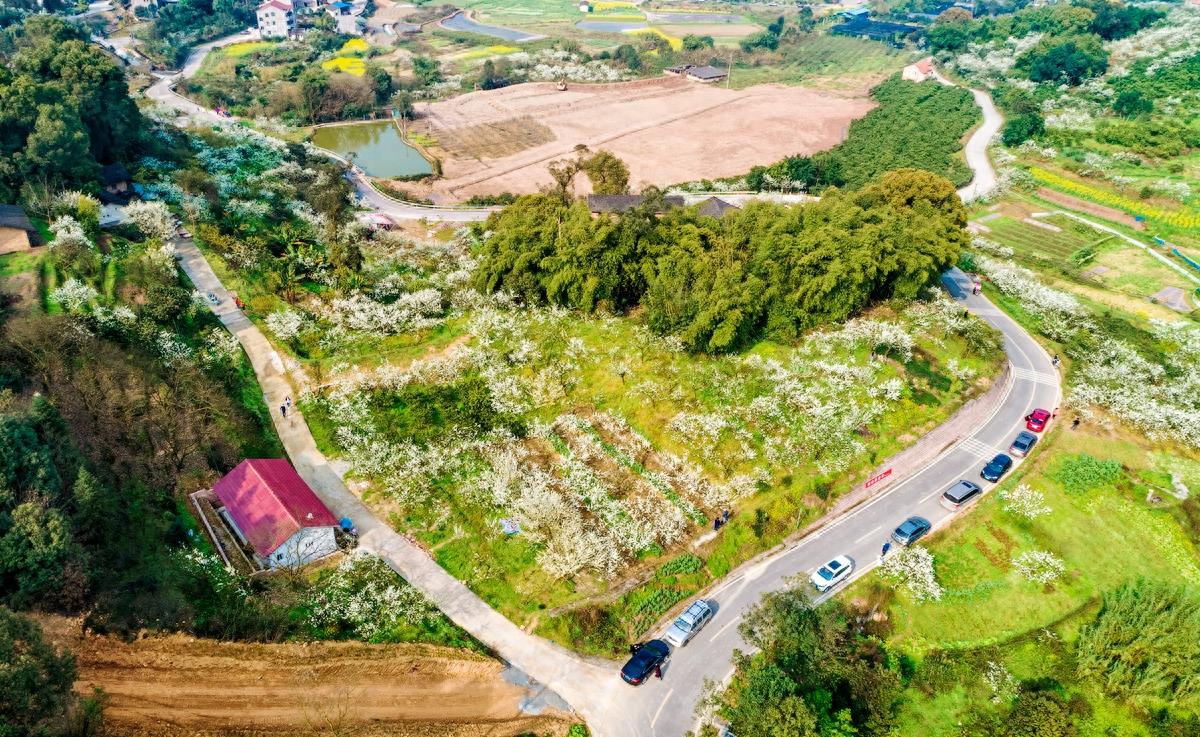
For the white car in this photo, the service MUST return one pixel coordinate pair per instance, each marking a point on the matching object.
(689, 623)
(832, 573)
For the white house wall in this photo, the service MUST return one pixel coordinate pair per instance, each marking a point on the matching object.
(304, 547)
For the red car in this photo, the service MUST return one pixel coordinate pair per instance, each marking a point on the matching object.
(1037, 419)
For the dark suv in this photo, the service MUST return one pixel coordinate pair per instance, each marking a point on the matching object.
(911, 530)
(648, 657)
(960, 494)
(996, 468)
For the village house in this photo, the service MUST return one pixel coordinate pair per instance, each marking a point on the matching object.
(272, 510)
(919, 71)
(707, 74)
(276, 19)
(715, 207)
(116, 186)
(16, 232)
(605, 203)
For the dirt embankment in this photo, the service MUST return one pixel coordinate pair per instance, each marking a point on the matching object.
(667, 130)
(177, 685)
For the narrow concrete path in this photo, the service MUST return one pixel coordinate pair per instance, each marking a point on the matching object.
(984, 179)
(582, 684)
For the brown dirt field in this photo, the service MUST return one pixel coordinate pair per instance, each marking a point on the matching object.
(667, 130)
(179, 685)
(1092, 208)
(725, 30)
(493, 139)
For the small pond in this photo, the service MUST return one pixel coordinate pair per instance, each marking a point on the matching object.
(377, 148)
(460, 22)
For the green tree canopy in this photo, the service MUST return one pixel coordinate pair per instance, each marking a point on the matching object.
(35, 681)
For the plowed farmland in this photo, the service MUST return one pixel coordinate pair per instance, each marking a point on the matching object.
(667, 130)
(179, 685)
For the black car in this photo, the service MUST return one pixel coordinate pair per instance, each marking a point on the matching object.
(649, 656)
(911, 530)
(1023, 444)
(996, 468)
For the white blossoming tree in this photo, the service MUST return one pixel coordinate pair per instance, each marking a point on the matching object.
(912, 568)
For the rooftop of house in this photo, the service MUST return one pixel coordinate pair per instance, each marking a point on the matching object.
(925, 66)
(715, 207)
(626, 202)
(114, 174)
(277, 4)
(708, 72)
(269, 503)
(12, 216)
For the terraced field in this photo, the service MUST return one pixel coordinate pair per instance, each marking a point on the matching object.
(1043, 243)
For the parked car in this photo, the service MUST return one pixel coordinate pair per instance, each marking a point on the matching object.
(959, 494)
(642, 664)
(832, 573)
(911, 530)
(1023, 444)
(996, 468)
(689, 623)
(1037, 419)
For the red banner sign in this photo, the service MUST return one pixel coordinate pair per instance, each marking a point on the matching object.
(877, 478)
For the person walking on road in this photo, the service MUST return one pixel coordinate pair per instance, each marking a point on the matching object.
(283, 411)
(1055, 361)
(658, 672)
(883, 554)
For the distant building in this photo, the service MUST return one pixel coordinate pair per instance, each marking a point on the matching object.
(585, 6)
(679, 70)
(860, 13)
(919, 71)
(715, 207)
(17, 233)
(602, 203)
(863, 27)
(306, 6)
(272, 510)
(276, 19)
(707, 74)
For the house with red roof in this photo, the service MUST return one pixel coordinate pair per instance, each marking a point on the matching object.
(274, 512)
(919, 71)
(276, 19)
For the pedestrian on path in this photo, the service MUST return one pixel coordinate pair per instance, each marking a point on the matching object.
(1074, 423)
(1055, 360)
(288, 401)
(883, 554)
(1054, 414)
(658, 672)
(283, 410)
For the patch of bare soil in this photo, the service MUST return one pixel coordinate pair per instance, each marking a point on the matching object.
(493, 139)
(668, 130)
(179, 685)
(19, 291)
(1092, 208)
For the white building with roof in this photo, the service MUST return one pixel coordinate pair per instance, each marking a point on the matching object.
(276, 19)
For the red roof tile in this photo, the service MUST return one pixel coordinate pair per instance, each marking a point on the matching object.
(269, 503)
(925, 66)
(279, 4)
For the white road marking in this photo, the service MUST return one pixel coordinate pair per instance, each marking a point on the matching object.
(932, 495)
(724, 586)
(728, 624)
(978, 448)
(872, 532)
(660, 708)
(1036, 376)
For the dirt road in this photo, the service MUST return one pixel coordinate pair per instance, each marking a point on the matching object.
(179, 685)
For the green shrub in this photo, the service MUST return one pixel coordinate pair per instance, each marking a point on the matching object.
(1084, 472)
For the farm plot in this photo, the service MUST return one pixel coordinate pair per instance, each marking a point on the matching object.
(492, 140)
(1053, 243)
(666, 130)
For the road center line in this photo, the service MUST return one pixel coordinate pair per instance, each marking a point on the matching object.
(935, 493)
(660, 708)
(872, 532)
(728, 624)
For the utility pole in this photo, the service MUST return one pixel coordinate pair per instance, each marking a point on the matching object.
(729, 72)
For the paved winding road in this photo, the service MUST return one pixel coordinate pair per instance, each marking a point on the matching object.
(659, 708)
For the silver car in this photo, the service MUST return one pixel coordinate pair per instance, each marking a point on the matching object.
(689, 623)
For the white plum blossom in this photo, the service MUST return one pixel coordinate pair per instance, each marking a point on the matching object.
(367, 597)
(1025, 501)
(286, 324)
(1000, 681)
(1039, 566)
(73, 295)
(154, 219)
(912, 568)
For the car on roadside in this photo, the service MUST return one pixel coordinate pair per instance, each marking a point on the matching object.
(996, 468)
(959, 494)
(1037, 420)
(642, 664)
(911, 530)
(832, 573)
(1023, 444)
(686, 625)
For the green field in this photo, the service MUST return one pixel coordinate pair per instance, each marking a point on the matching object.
(1042, 244)
(821, 56)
